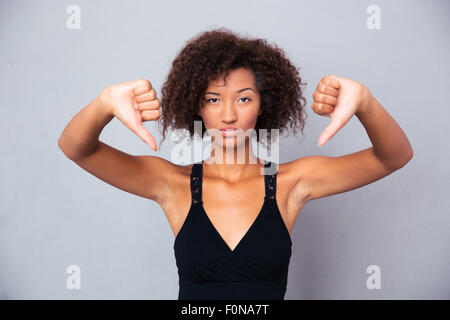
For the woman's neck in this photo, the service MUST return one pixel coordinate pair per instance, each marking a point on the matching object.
(232, 166)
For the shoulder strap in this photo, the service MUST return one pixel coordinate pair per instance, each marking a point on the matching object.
(270, 179)
(196, 182)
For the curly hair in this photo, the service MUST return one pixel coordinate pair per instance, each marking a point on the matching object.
(216, 52)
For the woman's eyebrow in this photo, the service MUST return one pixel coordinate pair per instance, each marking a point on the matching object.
(218, 94)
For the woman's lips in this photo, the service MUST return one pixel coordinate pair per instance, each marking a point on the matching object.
(228, 132)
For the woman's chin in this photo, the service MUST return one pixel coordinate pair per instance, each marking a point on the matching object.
(231, 142)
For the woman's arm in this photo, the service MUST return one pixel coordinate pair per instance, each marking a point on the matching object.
(146, 176)
(390, 144)
(340, 99)
(80, 137)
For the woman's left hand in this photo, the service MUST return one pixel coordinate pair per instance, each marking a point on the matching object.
(338, 98)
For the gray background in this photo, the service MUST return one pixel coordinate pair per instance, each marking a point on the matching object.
(53, 214)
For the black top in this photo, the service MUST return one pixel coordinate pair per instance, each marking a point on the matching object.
(257, 268)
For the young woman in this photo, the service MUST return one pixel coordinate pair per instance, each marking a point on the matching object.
(232, 220)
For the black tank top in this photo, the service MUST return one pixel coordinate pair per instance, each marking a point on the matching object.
(257, 268)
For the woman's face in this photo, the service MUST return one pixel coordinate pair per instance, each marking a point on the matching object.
(235, 105)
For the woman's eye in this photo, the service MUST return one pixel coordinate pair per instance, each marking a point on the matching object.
(211, 99)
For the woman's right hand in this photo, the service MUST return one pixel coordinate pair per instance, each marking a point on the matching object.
(133, 102)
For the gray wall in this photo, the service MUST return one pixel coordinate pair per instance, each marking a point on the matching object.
(53, 214)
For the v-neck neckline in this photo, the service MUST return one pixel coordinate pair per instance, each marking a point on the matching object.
(252, 226)
(246, 233)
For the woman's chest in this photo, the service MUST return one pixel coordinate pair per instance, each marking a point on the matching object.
(233, 208)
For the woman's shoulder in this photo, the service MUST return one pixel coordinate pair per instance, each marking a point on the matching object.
(290, 174)
(296, 166)
(177, 178)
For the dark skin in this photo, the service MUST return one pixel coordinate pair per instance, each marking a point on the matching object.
(299, 181)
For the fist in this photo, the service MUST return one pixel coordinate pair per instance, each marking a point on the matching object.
(339, 99)
(133, 103)
(325, 96)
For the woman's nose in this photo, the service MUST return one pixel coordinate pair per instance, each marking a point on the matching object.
(229, 112)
